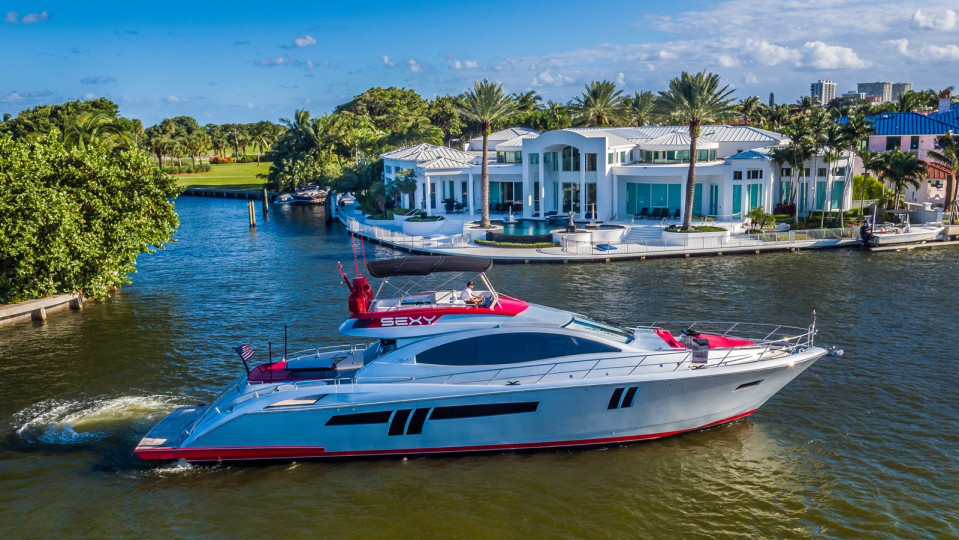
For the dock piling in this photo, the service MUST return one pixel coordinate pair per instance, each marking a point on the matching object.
(249, 207)
(266, 203)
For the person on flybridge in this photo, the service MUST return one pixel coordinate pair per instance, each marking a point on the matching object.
(468, 296)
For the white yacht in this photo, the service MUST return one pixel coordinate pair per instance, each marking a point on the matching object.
(442, 375)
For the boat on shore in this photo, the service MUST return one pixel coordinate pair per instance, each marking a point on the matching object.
(443, 375)
(888, 234)
(309, 194)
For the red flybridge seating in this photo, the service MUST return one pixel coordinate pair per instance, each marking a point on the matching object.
(715, 341)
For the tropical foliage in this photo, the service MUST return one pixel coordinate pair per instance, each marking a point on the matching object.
(487, 104)
(74, 218)
(694, 100)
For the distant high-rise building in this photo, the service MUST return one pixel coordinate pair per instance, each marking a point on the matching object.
(882, 90)
(824, 90)
(900, 88)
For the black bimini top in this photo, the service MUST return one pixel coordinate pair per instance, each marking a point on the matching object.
(422, 266)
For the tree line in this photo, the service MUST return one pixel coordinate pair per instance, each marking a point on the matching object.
(79, 201)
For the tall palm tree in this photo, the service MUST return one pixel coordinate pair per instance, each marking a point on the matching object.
(835, 143)
(801, 148)
(871, 162)
(527, 102)
(693, 100)
(807, 103)
(749, 107)
(903, 170)
(600, 105)
(486, 104)
(260, 136)
(857, 129)
(947, 153)
(639, 108)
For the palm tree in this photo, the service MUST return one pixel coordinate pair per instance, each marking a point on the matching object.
(871, 161)
(903, 170)
(807, 103)
(801, 147)
(639, 108)
(94, 127)
(600, 105)
(261, 135)
(835, 143)
(782, 155)
(195, 144)
(527, 102)
(857, 129)
(947, 153)
(749, 107)
(487, 104)
(694, 100)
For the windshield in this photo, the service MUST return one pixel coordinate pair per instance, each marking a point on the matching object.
(608, 331)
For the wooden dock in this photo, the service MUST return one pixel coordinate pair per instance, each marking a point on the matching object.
(37, 310)
(246, 194)
(910, 247)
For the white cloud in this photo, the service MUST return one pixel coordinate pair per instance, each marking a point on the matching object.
(280, 61)
(471, 64)
(173, 100)
(304, 41)
(899, 45)
(13, 17)
(309, 64)
(770, 54)
(89, 95)
(547, 78)
(250, 106)
(726, 61)
(819, 55)
(455, 64)
(17, 97)
(939, 52)
(414, 66)
(387, 61)
(944, 21)
(620, 79)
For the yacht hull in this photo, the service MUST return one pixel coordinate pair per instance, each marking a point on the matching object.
(264, 421)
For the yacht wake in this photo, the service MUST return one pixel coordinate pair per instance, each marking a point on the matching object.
(76, 422)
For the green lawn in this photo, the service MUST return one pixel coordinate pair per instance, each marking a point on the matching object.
(228, 176)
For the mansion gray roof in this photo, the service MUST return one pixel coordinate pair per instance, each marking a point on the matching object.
(428, 152)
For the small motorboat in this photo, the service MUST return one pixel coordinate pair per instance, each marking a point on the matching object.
(441, 374)
(285, 198)
(887, 234)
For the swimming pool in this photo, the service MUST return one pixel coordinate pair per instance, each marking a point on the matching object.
(528, 227)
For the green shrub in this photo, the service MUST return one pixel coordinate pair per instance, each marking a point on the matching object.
(695, 229)
(426, 219)
(538, 245)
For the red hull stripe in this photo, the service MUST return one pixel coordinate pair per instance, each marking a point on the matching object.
(295, 452)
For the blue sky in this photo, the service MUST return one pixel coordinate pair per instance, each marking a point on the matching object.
(262, 61)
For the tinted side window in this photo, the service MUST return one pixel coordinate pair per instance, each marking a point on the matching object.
(509, 349)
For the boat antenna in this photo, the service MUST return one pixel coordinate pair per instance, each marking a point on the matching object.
(270, 344)
(355, 261)
(363, 251)
(284, 342)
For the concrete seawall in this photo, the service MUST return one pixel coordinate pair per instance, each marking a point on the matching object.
(38, 310)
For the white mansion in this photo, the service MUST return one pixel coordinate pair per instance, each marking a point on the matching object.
(621, 172)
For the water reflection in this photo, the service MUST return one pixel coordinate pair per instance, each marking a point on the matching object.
(856, 447)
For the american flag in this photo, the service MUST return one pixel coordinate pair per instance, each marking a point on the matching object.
(244, 351)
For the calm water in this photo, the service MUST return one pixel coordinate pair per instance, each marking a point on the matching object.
(864, 446)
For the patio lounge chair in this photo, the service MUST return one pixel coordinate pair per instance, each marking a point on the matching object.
(643, 213)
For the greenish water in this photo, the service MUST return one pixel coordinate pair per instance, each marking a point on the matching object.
(864, 446)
